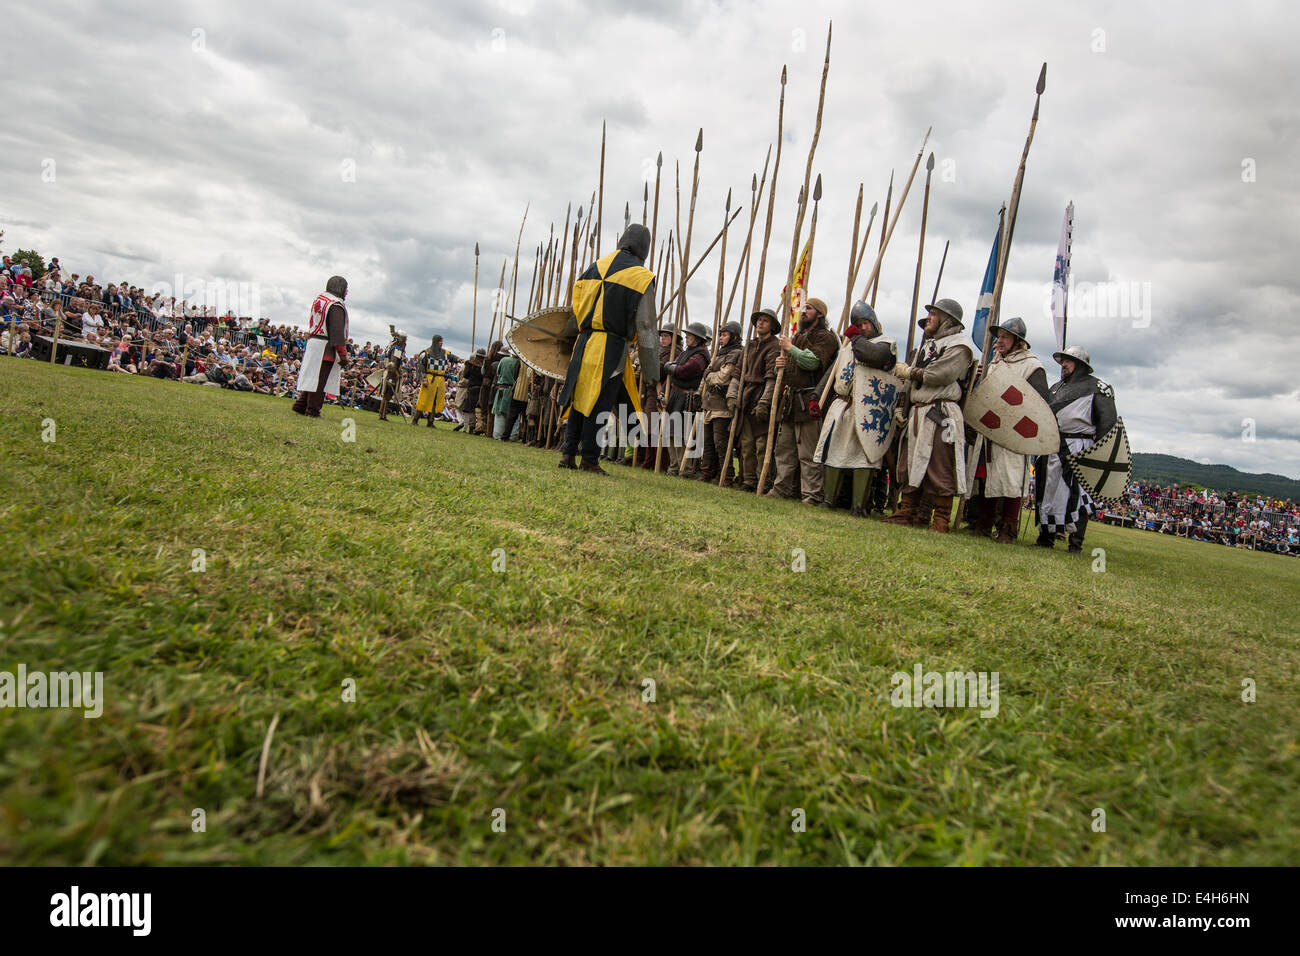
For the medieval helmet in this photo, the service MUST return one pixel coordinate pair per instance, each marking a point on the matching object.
(948, 307)
(700, 331)
(635, 241)
(437, 342)
(337, 285)
(768, 313)
(734, 328)
(863, 312)
(1016, 326)
(1078, 353)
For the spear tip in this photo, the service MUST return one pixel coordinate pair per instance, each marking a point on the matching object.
(476, 250)
(753, 184)
(660, 161)
(929, 163)
(1042, 80)
(783, 75)
(875, 207)
(699, 140)
(817, 189)
(728, 209)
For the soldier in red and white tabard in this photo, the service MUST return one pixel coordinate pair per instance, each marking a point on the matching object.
(326, 354)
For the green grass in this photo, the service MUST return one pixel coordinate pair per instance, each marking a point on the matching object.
(522, 690)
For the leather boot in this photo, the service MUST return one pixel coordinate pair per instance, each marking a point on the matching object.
(592, 467)
(942, 513)
(566, 461)
(924, 506)
(908, 499)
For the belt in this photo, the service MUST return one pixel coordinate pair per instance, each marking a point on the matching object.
(1076, 435)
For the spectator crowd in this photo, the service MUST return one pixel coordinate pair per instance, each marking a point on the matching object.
(1238, 520)
(165, 337)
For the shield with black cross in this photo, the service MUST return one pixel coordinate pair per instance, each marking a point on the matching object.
(1105, 468)
(1006, 410)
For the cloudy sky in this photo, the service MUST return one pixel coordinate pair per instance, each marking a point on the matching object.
(277, 144)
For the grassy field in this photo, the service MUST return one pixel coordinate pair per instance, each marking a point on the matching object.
(521, 690)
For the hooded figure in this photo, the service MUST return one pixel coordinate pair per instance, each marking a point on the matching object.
(431, 372)
(719, 397)
(613, 304)
(326, 354)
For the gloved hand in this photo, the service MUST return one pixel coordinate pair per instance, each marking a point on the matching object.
(670, 367)
(814, 408)
(899, 418)
(901, 370)
(763, 411)
(917, 375)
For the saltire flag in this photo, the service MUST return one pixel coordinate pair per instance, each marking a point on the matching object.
(1061, 277)
(985, 302)
(799, 295)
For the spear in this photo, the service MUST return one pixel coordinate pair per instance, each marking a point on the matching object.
(939, 277)
(654, 227)
(853, 254)
(627, 216)
(473, 329)
(600, 209)
(683, 252)
(573, 263)
(889, 232)
(862, 248)
(532, 281)
(514, 274)
(498, 301)
(888, 196)
(1004, 254)
(722, 269)
(586, 231)
(645, 204)
(771, 198)
(920, 255)
(681, 286)
(564, 255)
(786, 304)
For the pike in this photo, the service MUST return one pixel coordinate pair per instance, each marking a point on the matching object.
(654, 226)
(473, 328)
(699, 262)
(514, 274)
(564, 255)
(498, 302)
(786, 301)
(645, 204)
(573, 262)
(586, 230)
(1004, 255)
(939, 277)
(920, 255)
(685, 254)
(600, 209)
(722, 273)
(889, 232)
(762, 263)
(888, 196)
(627, 216)
(862, 248)
(853, 254)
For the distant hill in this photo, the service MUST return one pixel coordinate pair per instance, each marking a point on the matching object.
(1170, 469)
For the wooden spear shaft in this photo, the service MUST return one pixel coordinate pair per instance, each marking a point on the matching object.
(514, 274)
(786, 302)
(939, 278)
(654, 223)
(889, 195)
(853, 254)
(888, 233)
(920, 255)
(1004, 254)
(698, 262)
(564, 256)
(499, 301)
(473, 328)
(722, 273)
(600, 209)
(862, 248)
(771, 197)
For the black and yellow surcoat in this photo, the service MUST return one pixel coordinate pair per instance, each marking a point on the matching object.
(605, 302)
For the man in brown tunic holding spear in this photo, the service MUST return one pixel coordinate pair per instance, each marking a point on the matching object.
(805, 357)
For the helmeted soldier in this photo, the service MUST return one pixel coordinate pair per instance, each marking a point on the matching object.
(685, 372)
(651, 390)
(326, 354)
(931, 454)
(431, 372)
(719, 398)
(805, 356)
(613, 302)
(999, 477)
(1085, 411)
(758, 383)
(854, 437)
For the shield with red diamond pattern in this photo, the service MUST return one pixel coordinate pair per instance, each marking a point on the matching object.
(1005, 409)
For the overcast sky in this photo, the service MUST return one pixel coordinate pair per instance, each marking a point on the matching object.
(278, 144)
